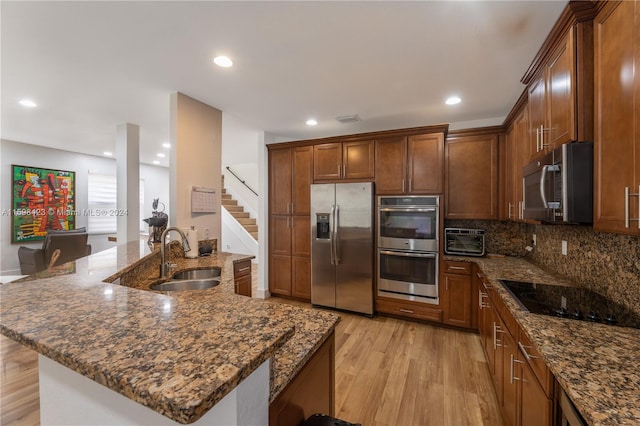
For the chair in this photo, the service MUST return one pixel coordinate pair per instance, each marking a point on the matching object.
(71, 245)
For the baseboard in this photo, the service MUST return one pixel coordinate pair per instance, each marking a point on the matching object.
(262, 294)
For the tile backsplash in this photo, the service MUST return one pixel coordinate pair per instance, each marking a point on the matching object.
(606, 263)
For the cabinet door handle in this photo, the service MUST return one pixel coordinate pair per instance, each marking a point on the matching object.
(509, 211)
(496, 330)
(402, 185)
(244, 269)
(627, 215)
(458, 268)
(406, 311)
(520, 211)
(524, 348)
(512, 375)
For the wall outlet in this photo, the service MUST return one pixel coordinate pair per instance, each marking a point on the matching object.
(533, 240)
(564, 247)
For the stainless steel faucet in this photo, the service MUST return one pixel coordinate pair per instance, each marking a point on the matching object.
(165, 266)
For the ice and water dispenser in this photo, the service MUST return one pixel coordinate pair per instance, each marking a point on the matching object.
(322, 226)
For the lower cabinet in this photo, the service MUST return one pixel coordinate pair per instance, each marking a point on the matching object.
(311, 391)
(535, 405)
(455, 293)
(409, 309)
(524, 385)
(290, 256)
(242, 278)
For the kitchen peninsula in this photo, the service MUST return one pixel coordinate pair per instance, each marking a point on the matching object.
(179, 354)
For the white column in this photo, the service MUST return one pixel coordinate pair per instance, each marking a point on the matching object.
(263, 215)
(128, 178)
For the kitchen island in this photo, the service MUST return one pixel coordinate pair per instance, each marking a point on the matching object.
(595, 364)
(178, 353)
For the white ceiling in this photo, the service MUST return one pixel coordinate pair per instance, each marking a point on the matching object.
(93, 65)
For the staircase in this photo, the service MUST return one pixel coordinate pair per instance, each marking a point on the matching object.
(239, 214)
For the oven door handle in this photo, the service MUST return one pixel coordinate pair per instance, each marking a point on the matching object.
(408, 209)
(408, 254)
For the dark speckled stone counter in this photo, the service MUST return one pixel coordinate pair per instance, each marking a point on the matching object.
(178, 353)
(596, 364)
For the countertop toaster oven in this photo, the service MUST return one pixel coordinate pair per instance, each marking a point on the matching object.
(464, 242)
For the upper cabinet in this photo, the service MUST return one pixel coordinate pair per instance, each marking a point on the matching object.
(515, 153)
(552, 101)
(289, 180)
(410, 164)
(560, 83)
(471, 169)
(617, 133)
(343, 160)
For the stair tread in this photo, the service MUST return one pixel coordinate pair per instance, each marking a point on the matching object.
(237, 211)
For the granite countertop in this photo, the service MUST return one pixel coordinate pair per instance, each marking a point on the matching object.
(596, 364)
(178, 353)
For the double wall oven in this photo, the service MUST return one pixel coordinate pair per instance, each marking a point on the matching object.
(408, 247)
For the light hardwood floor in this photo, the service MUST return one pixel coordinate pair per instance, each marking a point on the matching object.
(389, 372)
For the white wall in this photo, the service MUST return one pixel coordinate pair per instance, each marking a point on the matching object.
(156, 185)
(240, 143)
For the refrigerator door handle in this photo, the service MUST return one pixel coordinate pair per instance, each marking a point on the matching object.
(336, 235)
(332, 224)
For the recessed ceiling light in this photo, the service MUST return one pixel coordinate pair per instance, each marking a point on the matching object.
(161, 155)
(453, 100)
(108, 153)
(311, 122)
(166, 145)
(28, 103)
(222, 61)
(156, 162)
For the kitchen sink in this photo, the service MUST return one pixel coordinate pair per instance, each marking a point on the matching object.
(183, 285)
(196, 274)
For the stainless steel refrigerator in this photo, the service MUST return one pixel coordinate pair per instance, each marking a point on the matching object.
(342, 246)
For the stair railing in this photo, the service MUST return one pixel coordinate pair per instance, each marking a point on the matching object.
(241, 180)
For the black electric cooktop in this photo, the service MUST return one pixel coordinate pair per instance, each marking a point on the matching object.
(572, 303)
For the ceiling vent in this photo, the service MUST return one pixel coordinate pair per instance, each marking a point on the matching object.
(345, 119)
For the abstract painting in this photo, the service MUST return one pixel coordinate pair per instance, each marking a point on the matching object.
(42, 199)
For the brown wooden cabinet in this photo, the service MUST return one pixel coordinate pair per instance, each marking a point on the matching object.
(617, 133)
(409, 309)
(536, 408)
(455, 293)
(552, 112)
(290, 178)
(344, 160)
(523, 383)
(471, 176)
(242, 277)
(311, 391)
(410, 164)
(516, 155)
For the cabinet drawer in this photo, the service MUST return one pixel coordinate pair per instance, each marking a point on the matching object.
(460, 268)
(242, 268)
(535, 361)
(409, 310)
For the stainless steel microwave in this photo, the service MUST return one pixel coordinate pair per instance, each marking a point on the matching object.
(558, 188)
